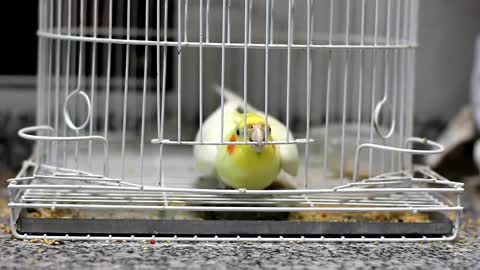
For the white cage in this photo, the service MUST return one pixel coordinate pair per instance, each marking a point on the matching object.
(123, 86)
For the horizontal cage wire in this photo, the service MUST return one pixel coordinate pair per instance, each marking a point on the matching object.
(123, 87)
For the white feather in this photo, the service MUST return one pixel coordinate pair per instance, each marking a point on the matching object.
(205, 155)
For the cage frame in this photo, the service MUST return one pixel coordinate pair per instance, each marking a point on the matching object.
(34, 171)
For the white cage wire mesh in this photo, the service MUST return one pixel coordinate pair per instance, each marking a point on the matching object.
(124, 85)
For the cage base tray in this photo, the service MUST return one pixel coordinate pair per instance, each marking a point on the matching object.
(439, 225)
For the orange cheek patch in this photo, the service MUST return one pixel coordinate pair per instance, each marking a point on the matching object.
(231, 147)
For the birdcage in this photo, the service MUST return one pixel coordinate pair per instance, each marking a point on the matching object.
(123, 86)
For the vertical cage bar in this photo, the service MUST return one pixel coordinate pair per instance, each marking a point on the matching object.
(117, 71)
(125, 90)
(267, 47)
(159, 99)
(403, 105)
(402, 85)
(229, 5)
(412, 11)
(394, 113)
(394, 83)
(108, 75)
(40, 80)
(109, 69)
(293, 21)
(92, 82)
(50, 71)
(161, 123)
(207, 21)
(222, 75)
(360, 76)
(185, 22)
(345, 89)
(200, 70)
(245, 66)
(80, 68)
(289, 63)
(179, 71)
(395, 78)
(408, 78)
(250, 3)
(374, 83)
(272, 8)
(57, 81)
(67, 74)
(144, 94)
(327, 98)
(405, 159)
(310, 20)
(386, 78)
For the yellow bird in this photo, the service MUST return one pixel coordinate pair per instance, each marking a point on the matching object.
(250, 166)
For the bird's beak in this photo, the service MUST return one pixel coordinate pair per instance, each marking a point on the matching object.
(257, 135)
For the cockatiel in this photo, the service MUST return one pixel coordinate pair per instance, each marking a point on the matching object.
(249, 166)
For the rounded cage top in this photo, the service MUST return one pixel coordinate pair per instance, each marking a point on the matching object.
(279, 24)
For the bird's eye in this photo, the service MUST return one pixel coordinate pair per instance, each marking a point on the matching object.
(238, 132)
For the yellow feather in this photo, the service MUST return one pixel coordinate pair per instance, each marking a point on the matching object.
(244, 167)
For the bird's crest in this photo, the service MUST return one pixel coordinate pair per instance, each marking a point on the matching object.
(252, 119)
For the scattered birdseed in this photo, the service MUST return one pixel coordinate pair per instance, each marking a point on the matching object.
(4, 228)
(44, 241)
(4, 210)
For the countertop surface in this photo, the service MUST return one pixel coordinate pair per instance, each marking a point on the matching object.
(462, 254)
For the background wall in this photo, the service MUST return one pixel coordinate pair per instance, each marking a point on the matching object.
(447, 32)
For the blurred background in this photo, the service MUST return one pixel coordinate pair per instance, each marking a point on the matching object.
(447, 33)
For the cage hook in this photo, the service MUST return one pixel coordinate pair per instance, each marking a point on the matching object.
(376, 121)
(66, 114)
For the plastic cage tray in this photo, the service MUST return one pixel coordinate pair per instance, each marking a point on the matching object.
(417, 191)
(438, 226)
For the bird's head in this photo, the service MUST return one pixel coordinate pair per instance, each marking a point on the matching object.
(255, 132)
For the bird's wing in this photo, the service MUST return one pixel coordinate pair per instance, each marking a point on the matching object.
(288, 152)
(205, 155)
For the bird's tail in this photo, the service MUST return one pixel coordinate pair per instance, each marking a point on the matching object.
(230, 96)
